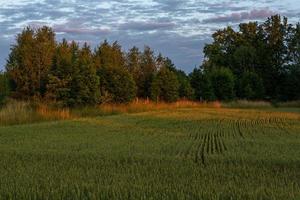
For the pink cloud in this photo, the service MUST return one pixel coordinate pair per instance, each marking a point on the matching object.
(241, 16)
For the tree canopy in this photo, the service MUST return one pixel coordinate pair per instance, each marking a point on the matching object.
(264, 59)
(256, 61)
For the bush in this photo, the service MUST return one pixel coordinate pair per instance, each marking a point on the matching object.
(223, 83)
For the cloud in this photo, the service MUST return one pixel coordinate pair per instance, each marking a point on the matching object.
(146, 25)
(242, 16)
(66, 30)
(177, 28)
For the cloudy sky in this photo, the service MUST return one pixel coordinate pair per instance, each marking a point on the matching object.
(177, 28)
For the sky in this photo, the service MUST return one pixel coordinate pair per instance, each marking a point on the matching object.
(178, 29)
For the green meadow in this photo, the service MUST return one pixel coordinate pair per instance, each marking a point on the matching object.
(184, 153)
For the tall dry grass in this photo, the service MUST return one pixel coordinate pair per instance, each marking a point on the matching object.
(21, 112)
(138, 106)
(145, 106)
(47, 113)
(16, 112)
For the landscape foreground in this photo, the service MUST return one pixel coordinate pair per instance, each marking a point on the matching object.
(186, 153)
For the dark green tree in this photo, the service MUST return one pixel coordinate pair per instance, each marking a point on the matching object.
(148, 69)
(290, 87)
(61, 73)
(117, 85)
(250, 86)
(201, 83)
(73, 80)
(165, 86)
(85, 82)
(222, 80)
(30, 60)
(266, 49)
(185, 89)
(133, 63)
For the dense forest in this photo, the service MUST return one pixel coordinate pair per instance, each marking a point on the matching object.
(255, 62)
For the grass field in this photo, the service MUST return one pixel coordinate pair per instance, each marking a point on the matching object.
(186, 153)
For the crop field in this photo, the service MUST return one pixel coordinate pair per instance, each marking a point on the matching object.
(186, 153)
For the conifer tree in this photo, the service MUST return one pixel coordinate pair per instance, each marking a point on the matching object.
(30, 61)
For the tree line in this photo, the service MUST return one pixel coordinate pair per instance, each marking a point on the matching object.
(258, 61)
(69, 74)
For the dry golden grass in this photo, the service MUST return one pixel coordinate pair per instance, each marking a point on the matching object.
(16, 112)
(47, 113)
(20, 112)
(145, 106)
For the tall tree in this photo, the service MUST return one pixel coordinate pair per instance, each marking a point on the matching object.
(107, 55)
(30, 61)
(85, 82)
(148, 71)
(201, 83)
(185, 89)
(266, 50)
(73, 79)
(61, 73)
(133, 63)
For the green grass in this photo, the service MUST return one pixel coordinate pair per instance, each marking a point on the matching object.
(203, 153)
